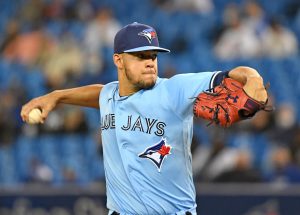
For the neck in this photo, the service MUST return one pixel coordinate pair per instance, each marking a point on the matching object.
(126, 90)
(125, 87)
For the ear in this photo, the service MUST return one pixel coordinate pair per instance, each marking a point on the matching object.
(118, 60)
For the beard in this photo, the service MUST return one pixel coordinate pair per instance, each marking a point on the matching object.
(145, 84)
(140, 83)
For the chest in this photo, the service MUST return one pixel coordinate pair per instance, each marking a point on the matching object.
(134, 123)
(139, 121)
(135, 117)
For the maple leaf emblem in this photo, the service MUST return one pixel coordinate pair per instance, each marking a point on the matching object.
(165, 150)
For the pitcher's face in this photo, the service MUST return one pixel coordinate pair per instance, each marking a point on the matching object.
(141, 68)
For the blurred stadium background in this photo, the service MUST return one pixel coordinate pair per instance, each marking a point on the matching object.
(252, 168)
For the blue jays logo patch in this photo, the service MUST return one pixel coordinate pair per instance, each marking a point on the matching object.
(149, 34)
(157, 153)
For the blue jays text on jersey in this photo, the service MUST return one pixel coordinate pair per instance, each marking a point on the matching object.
(146, 125)
(146, 140)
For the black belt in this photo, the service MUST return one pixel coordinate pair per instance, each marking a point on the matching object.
(116, 213)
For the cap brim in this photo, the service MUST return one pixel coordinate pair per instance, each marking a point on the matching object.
(147, 48)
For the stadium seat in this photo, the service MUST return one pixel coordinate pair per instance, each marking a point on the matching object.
(8, 171)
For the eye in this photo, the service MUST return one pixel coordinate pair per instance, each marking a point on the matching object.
(147, 56)
(143, 56)
(153, 56)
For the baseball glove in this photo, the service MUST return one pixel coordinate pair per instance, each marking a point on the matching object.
(228, 104)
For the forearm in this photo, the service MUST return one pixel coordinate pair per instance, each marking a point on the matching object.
(87, 96)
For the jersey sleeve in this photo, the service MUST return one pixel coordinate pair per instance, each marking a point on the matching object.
(183, 89)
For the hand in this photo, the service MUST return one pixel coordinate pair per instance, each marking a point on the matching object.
(230, 103)
(254, 87)
(252, 81)
(45, 103)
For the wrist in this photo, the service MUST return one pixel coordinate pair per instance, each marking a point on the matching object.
(56, 96)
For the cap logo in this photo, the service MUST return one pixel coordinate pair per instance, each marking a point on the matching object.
(149, 34)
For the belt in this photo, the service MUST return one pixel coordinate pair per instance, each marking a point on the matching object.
(116, 213)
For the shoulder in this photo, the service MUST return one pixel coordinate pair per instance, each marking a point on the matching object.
(188, 78)
(193, 75)
(109, 89)
(111, 85)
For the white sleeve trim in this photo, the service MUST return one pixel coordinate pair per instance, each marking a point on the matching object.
(211, 83)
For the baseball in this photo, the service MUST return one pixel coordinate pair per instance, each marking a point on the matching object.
(35, 116)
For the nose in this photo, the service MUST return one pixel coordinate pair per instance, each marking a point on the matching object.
(149, 63)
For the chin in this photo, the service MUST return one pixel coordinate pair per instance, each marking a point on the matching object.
(148, 84)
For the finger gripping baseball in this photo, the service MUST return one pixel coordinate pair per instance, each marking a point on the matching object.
(228, 104)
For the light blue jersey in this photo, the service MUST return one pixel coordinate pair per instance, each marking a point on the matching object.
(146, 145)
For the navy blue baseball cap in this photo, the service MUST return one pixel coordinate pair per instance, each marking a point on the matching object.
(137, 37)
